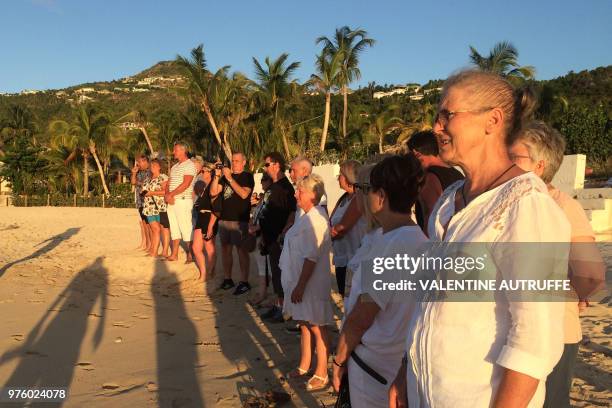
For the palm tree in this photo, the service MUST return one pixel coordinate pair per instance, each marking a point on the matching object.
(275, 90)
(200, 80)
(326, 79)
(140, 118)
(502, 60)
(420, 118)
(382, 124)
(351, 43)
(18, 121)
(88, 129)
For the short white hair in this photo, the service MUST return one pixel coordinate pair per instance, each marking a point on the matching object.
(304, 163)
(313, 183)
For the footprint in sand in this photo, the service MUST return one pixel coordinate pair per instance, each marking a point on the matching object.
(85, 365)
(151, 387)
(35, 353)
(125, 325)
(166, 332)
(17, 337)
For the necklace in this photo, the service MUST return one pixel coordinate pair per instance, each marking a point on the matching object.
(465, 202)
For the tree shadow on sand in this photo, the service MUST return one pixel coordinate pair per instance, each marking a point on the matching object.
(50, 352)
(51, 243)
(176, 338)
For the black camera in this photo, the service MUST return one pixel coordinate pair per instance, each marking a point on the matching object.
(219, 166)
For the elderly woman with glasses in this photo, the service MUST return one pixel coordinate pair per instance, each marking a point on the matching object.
(347, 224)
(306, 280)
(539, 148)
(499, 352)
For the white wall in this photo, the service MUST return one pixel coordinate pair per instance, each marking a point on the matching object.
(570, 176)
(329, 173)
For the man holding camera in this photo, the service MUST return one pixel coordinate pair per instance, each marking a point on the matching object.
(236, 186)
(280, 207)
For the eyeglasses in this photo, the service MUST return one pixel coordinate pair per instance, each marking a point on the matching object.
(444, 115)
(363, 187)
(514, 157)
(268, 164)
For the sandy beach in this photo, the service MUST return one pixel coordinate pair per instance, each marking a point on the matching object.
(82, 308)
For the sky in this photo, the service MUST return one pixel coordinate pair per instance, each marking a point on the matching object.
(52, 44)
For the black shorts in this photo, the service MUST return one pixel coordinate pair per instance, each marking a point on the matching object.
(203, 221)
(163, 219)
(236, 233)
(142, 216)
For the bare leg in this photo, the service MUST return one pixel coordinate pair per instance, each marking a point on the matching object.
(175, 249)
(211, 257)
(154, 238)
(198, 253)
(321, 343)
(166, 241)
(148, 234)
(244, 260)
(143, 235)
(188, 252)
(261, 293)
(228, 262)
(305, 348)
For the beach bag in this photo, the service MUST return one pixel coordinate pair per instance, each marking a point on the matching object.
(344, 398)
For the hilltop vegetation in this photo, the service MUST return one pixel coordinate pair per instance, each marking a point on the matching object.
(219, 112)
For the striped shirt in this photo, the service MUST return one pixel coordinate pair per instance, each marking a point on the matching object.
(177, 173)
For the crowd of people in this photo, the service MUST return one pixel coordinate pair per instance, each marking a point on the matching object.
(394, 352)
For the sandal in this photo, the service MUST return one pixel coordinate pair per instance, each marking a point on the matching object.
(310, 387)
(297, 373)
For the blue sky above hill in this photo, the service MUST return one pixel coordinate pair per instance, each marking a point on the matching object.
(50, 44)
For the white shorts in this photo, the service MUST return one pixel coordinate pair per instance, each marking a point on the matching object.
(180, 217)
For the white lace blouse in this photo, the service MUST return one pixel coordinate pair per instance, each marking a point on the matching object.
(457, 351)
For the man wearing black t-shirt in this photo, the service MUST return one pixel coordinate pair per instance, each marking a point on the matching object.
(438, 175)
(235, 187)
(281, 205)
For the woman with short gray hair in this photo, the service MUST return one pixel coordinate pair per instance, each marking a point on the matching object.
(306, 282)
(539, 148)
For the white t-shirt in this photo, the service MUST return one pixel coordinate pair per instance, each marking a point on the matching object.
(177, 173)
(386, 337)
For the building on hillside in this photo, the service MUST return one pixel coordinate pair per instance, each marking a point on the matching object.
(84, 98)
(140, 90)
(416, 97)
(29, 92)
(432, 90)
(81, 91)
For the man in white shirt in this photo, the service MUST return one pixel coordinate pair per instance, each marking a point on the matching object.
(179, 197)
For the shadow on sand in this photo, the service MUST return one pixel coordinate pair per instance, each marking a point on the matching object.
(176, 338)
(50, 352)
(257, 347)
(51, 243)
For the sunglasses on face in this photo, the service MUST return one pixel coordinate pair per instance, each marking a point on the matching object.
(268, 164)
(365, 188)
